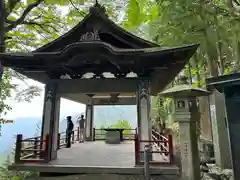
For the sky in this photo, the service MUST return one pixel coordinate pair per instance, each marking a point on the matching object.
(35, 107)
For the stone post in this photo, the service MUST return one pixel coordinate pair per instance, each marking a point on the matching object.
(219, 130)
(50, 121)
(143, 112)
(89, 123)
(187, 115)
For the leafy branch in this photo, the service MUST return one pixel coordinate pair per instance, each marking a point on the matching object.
(233, 5)
(21, 19)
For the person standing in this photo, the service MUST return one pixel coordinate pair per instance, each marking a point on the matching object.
(69, 131)
(82, 128)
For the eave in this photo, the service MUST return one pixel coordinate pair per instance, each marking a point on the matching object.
(160, 62)
(148, 57)
(221, 82)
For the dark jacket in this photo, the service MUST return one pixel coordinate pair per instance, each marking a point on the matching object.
(70, 126)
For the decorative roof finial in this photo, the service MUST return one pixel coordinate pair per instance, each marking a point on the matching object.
(97, 8)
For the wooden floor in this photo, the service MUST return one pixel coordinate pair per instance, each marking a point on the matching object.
(94, 158)
(97, 153)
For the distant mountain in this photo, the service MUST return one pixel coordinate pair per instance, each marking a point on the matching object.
(107, 115)
(31, 126)
(22, 125)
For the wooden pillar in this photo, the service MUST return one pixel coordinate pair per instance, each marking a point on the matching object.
(50, 122)
(89, 123)
(143, 112)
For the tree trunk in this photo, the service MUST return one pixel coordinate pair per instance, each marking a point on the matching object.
(212, 59)
(212, 65)
(197, 68)
(219, 50)
(238, 54)
(189, 73)
(2, 33)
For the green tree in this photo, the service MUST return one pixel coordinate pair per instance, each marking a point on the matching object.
(24, 26)
(212, 24)
(124, 124)
(13, 175)
(162, 110)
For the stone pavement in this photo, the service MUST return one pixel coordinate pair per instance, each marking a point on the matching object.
(97, 154)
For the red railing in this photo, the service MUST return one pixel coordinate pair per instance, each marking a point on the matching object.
(35, 150)
(31, 150)
(162, 146)
(161, 150)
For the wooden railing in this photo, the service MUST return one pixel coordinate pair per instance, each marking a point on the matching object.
(161, 149)
(164, 144)
(31, 150)
(35, 150)
(62, 138)
(100, 134)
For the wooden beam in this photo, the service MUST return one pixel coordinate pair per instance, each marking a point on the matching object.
(91, 86)
(120, 101)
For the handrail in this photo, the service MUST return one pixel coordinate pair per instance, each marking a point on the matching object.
(38, 153)
(161, 145)
(37, 149)
(31, 138)
(154, 132)
(34, 149)
(62, 140)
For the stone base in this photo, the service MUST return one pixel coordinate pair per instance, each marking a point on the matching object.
(113, 137)
(109, 177)
(150, 157)
(89, 139)
(54, 155)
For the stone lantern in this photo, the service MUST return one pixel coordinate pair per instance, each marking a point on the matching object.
(187, 114)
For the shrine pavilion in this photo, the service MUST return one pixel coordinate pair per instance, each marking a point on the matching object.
(99, 63)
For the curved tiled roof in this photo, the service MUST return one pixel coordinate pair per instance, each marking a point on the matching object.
(97, 19)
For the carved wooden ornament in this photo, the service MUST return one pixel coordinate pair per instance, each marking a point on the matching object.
(90, 36)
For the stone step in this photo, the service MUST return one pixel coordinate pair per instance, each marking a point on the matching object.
(108, 177)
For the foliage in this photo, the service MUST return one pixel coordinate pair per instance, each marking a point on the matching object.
(212, 24)
(124, 124)
(163, 109)
(27, 26)
(10, 175)
(5, 92)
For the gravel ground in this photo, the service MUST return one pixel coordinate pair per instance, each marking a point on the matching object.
(216, 174)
